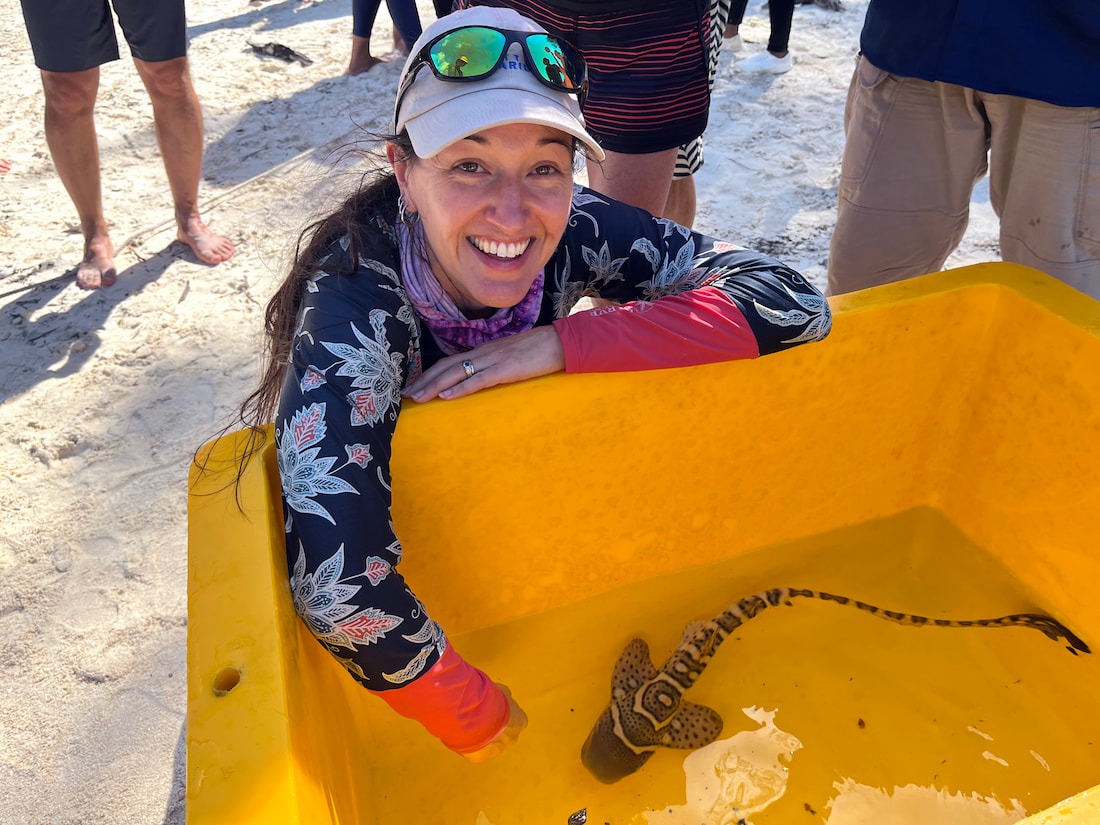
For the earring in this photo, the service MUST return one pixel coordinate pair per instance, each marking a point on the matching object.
(408, 218)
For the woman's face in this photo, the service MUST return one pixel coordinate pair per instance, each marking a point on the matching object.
(493, 208)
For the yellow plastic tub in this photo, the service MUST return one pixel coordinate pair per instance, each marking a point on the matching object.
(939, 454)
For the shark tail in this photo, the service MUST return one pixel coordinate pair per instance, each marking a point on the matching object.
(1047, 625)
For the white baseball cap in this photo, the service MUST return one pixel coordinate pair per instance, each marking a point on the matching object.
(437, 113)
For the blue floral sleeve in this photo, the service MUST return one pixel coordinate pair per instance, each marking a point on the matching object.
(355, 347)
(620, 253)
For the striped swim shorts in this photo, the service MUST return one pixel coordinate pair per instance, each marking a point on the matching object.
(647, 68)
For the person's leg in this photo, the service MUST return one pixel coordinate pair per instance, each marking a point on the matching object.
(178, 118)
(913, 152)
(781, 15)
(640, 180)
(69, 57)
(736, 15)
(1044, 184)
(681, 202)
(363, 14)
(682, 198)
(71, 137)
(776, 58)
(406, 23)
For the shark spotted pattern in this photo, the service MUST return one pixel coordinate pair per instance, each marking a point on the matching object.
(648, 709)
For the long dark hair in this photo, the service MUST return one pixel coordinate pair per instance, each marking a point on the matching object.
(377, 192)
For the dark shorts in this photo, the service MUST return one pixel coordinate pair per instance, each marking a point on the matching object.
(647, 69)
(74, 35)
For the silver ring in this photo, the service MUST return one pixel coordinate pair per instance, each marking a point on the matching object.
(469, 368)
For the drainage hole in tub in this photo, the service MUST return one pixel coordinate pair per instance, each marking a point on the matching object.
(225, 680)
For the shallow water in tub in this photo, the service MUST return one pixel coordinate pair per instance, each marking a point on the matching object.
(831, 715)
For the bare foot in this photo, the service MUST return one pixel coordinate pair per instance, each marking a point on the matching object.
(360, 66)
(5, 165)
(361, 58)
(98, 267)
(209, 248)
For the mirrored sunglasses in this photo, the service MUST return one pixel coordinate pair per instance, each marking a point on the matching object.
(475, 52)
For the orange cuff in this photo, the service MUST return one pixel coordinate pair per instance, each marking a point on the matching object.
(702, 326)
(456, 702)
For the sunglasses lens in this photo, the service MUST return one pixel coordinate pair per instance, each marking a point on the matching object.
(469, 52)
(556, 62)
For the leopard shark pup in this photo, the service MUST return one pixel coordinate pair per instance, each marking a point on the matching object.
(648, 709)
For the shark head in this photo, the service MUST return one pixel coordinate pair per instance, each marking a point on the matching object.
(606, 755)
(647, 711)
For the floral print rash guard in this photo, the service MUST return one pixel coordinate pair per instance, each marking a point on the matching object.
(358, 342)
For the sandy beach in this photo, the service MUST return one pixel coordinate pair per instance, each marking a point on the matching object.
(105, 395)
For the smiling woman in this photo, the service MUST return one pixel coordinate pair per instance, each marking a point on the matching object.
(454, 271)
(493, 207)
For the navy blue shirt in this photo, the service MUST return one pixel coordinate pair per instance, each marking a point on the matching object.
(1040, 49)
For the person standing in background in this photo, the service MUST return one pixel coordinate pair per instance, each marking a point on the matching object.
(947, 90)
(406, 29)
(680, 206)
(71, 39)
(648, 93)
(776, 58)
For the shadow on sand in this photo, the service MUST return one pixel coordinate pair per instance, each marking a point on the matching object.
(64, 339)
(327, 117)
(175, 812)
(262, 13)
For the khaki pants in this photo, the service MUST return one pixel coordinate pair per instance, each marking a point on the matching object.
(913, 153)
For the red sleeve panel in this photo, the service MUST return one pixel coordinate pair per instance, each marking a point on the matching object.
(702, 326)
(455, 701)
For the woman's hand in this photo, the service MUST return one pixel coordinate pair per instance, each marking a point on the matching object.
(517, 721)
(505, 361)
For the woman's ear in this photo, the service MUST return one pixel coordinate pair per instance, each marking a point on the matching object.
(400, 170)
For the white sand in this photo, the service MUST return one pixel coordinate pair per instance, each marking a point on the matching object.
(104, 395)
